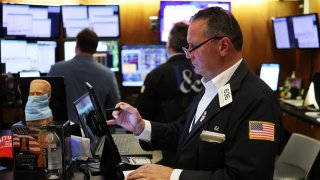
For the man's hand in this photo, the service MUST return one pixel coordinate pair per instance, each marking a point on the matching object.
(151, 171)
(128, 117)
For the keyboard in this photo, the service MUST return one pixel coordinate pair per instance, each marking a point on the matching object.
(128, 145)
(135, 160)
(122, 143)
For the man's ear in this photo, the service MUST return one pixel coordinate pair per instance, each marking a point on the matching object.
(225, 45)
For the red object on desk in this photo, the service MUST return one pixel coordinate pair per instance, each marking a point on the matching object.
(6, 146)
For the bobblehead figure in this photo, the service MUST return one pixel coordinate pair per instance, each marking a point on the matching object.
(37, 111)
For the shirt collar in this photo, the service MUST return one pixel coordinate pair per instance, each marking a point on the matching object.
(220, 80)
(175, 54)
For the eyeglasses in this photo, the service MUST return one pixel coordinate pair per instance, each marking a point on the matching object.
(188, 53)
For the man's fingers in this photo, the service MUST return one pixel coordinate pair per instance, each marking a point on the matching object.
(111, 122)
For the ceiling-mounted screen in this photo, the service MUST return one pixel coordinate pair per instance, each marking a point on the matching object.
(103, 19)
(30, 21)
(300, 31)
(172, 12)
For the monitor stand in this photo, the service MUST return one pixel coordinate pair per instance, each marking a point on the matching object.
(109, 163)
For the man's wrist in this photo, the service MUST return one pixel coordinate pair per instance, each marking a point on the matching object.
(139, 129)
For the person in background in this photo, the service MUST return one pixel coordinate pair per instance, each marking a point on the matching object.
(83, 68)
(170, 88)
(232, 129)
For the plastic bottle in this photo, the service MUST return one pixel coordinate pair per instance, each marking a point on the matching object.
(53, 154)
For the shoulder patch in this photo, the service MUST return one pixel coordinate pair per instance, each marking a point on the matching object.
(260, 130)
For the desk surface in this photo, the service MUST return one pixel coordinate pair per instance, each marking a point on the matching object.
(300, 113)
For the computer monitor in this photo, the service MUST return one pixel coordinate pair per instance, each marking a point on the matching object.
(93, 123)
(29, 74)
(30, 21)
(103, 19)
(107, 53)
(20, 55)
(312, 98)
(88, 121)
(58, 101)
(299, 31)
(172, 12)
(269, 73)
(138, 60)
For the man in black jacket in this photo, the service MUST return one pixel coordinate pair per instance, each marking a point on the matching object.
(232, 129)
(171, 87)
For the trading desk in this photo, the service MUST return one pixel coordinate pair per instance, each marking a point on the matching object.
(295, 120)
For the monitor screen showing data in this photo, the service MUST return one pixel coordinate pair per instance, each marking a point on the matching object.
(22, 55)
(103, 19)
(300, 31)
(107, 53)
(138, 60)
(172, 12)
(31, 21)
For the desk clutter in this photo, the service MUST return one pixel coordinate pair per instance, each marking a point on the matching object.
(28, 146)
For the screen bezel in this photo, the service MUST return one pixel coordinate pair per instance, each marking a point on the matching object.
(110, 149)
(22, 36)
(64, 30)
(289, 18)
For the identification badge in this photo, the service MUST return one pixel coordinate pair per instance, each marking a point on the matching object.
(225, 96)
(212, 137)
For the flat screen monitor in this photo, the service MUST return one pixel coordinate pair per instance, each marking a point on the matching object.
(138, 60)
(58, 101)
(103, 19)
(92, 120)
(300, 31)
(269, 73)
(31, 21)
(107, 53)
(172, 12)
(20, 55)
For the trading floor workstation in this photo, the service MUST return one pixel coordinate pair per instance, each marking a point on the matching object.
(281, 46)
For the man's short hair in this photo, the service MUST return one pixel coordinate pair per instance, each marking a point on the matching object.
(178, 36)
(221, 23)
(87, 40)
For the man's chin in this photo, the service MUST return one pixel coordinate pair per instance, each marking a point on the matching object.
(196, 70)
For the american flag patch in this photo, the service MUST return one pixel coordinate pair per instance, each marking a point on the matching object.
(261, 130)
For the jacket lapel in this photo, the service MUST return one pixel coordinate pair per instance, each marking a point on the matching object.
(214, 107)
(190, 116)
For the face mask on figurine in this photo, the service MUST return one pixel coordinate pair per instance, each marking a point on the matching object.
(37, 109)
